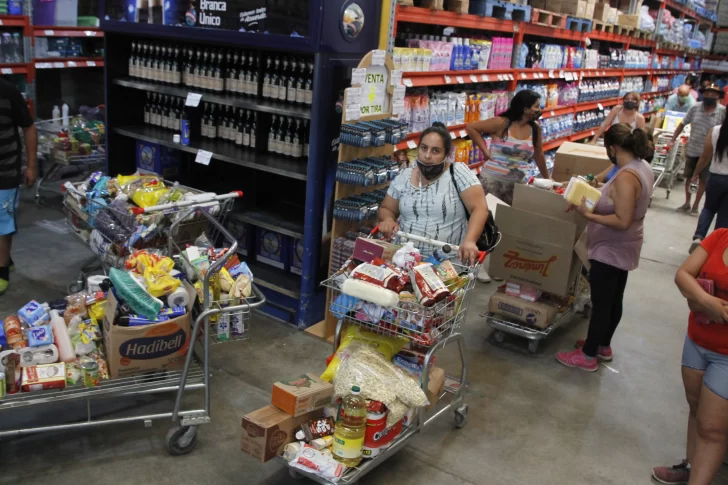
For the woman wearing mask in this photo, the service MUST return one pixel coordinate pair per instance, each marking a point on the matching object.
(515, 140)
(627, 113)
(614, 239)
(434, 198)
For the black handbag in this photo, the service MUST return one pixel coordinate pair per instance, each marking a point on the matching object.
(490, 237)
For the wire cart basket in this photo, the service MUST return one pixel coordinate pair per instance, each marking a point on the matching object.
(193, 375)
(81, 147)
(668, 160)
(429, 328)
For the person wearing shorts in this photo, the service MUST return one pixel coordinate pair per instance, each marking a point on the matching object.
(703, 280)
(13, 114)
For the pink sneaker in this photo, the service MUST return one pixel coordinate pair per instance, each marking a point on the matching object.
(576, 358)
(603, 353)
(672, 475)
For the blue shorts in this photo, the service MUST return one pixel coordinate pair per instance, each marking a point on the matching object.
(714, 365)
(8, 210)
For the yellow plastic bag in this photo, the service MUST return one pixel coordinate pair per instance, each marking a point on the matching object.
(160, 282)
(149, 195)
(386, 345)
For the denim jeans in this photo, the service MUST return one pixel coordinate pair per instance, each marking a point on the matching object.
(716, 202)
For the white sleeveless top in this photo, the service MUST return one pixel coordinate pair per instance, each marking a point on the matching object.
(720, 166)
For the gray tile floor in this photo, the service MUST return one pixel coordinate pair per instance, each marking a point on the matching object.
(531, 420)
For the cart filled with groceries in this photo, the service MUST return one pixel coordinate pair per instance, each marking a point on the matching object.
(176, 287)
(395, 310)
(542, 254)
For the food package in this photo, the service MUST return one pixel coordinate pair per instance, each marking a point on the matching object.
(579, 190)
(159, 282)
(10, 364)
(428, 286)
(380, 274)
(379, 380)
(447, 272)
(370, 292)
(241, 288)
(386, 345)
(40, 377)
(309, 459)
(407, 256)
(76, 306)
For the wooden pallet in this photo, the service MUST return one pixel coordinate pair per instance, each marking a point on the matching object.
(602, 27)
(620, 30)
(642, 34)
(547, 18)
(577, 24)
(501, 10)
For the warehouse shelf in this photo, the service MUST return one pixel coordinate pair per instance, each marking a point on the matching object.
(51, 31)
(445, 78)
(450, 19)
(456, 131)
(62, 63)
(13, 20)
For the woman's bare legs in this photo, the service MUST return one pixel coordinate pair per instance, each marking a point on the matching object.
(710, 437)
(693, 382)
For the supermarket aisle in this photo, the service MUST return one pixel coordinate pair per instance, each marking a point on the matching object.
(531, 420)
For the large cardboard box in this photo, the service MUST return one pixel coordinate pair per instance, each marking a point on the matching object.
(577, 8)
(537, 247)
(629, 21)
(601, 12)
(579, 159)
(457, 6)
(613, 15)
(589, 10)
(301, 394)
(267, 430)
(541, 4)
(133, 350)
(534, 313)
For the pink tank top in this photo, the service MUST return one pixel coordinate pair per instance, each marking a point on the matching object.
(621, 249)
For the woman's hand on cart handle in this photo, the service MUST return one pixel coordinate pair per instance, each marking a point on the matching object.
(387, 228)
(468, 253)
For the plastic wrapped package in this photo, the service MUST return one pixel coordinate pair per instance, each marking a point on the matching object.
(386, 345)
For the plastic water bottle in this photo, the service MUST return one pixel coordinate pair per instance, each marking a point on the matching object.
(66, 121)
(693, 188)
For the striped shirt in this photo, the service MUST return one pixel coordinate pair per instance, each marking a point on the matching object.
(702, 123)
(13, 114)
(434, 210)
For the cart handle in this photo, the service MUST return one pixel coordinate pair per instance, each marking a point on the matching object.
(186, 203)
(446, 247)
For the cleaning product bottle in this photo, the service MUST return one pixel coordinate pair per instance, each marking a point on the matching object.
(56, 112)
(350, 429)
(61, 338)
(65, 116)
(466, 54)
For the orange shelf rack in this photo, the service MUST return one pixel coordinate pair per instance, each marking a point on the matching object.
(52, 31)
(419, 15)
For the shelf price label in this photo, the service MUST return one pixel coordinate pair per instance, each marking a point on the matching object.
(91, 63)
(453, 135)
(523, 75)
(398, 95)
(71, 64)
(58, 65)
(473, 78)
(553, 114)
(89, 33)
(463, 133)
(407, 82)
(411, 144)
(43, 65)
(353, 112)
(460, 79)
(448, 80)
(353, 96)
(485, 78)
(561, 74)
(203, 157)
(395, 77)
(358, 75)
(510, 76)
(397, 108)
(592, 133)
(378, 56)
(601, 108)
(500, 77)
(567, 76)
(551, 74)
(6, 70)
(49, 32)
(193, 99)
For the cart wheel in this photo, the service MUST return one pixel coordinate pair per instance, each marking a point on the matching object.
(461, 415)
(294, 474)
(181, 440)
(499, 336)
(533, 346)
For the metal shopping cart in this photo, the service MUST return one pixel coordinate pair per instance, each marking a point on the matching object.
(431, 328)
(669, 158)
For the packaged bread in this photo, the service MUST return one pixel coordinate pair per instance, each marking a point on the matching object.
(579, 190)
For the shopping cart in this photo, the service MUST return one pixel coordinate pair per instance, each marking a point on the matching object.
(669, 158)
(71, 152)
(436, 329)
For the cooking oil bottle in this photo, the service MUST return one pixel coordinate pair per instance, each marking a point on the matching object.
(350, 429)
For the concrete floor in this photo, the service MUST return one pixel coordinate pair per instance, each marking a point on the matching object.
(531, 420)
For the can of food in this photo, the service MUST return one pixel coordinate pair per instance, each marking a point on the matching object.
(90, 374)
(2, 385)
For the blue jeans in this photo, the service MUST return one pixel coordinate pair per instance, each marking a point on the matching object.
(716, 202)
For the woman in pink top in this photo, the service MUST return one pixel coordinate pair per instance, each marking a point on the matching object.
(614, 240)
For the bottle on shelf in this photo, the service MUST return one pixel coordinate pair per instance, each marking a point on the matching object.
(309, 85)
(283, 81)
(253, 129)
(267, 77)
(240, 128)
(272, 138)
(306, 129)
(246, 125)
(292, 82)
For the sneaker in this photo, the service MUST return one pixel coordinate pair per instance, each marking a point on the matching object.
(694, 211)
(683, 208)
(695, 244)
(674, 475)
(603, 353)
(3, 286)
(576, 358)
(483, 275)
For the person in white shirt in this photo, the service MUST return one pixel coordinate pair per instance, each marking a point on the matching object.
(681, 101)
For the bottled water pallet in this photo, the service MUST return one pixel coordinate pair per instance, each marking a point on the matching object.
(547, 18)
(501, 10)
(577, 24)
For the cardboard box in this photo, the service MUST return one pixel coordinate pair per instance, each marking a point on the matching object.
(296, 252)
(267, 430)
(539, 4)
(367, 249)
(576, 8)
(579, 159)
(153, 158)
(537, 247)
(613, 14)
(271, 248)
(301, 394)
(601, 12)
(536, 314)
(431, 4)
(133, 350)
(435, 385)
(457, 6)
(589, 10)
(629, 21)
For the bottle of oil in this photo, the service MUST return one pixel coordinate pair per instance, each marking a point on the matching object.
(350, 429)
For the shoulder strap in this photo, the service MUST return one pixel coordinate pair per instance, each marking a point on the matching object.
(457, 189)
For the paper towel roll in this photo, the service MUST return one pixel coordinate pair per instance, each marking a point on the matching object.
(179, 297)
(44, 354)
(93, 282)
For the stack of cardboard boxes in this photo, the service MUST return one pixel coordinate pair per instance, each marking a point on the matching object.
(575, 8)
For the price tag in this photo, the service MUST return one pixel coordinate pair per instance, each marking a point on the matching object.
(568, 77)
(463, 133)
(193, 99)
(1, 22)
(601, 108)
(398, 94)
(448, 80)
(357, 76)
(553, 114)
(395, 77)
(91, 63)
(510, 76)
(592, 133)
(89, 33)
(474, 78)
(561, 74)
(397, 108)
(485, 78)
(453, 135)
(6, 70)
(43, 65)
(71, 64)
(49, 32)
(353, 96)
(407, 82)
(411, 144)
(500, 77)
(460, 79)
(353, 112)
(551, 74)
(203, 157)
(58, 65)
(523, 75)
(378, 56)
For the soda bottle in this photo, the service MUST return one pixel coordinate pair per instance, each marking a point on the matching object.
(350, 429)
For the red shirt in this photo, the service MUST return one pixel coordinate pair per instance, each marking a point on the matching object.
(713, 336)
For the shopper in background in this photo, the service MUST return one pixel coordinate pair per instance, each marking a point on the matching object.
(614, 239)
(681, 101)
(703, 116)
(715, 155)
(516, 139)
(13, 114)
(690, 81)
(627, 113)
(434, 198)
(703, 281)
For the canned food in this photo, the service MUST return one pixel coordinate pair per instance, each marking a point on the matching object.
(2, 385)
(14, 332)
(90, 374)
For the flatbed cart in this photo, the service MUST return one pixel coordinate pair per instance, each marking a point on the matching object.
(668, 160)
(451, 315)
(194, 375)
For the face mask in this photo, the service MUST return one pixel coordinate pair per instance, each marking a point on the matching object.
(684, 99)
(612, 157)
(630, 105)
(431, 172)
(536, 114)
(710, 102)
